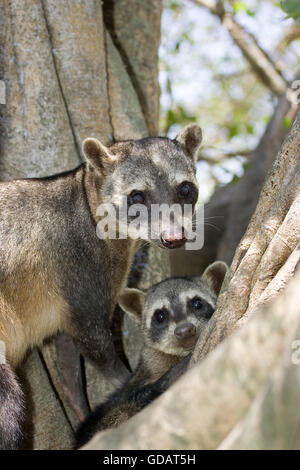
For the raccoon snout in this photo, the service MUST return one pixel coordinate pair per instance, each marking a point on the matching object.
(175, 240)
(185, 331)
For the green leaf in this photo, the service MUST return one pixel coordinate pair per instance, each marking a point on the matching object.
(169, 86)
(286, 122)
(239, 6)
(250, 129)
(171, 119)
(235, 179)
(266, 119)
(246, 166)
(178, 115)
(177, 46)
(292, 8)
(233, 130)
(174, 5)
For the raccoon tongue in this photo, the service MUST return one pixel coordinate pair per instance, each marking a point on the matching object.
(173, 240)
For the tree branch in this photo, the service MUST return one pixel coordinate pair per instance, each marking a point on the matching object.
(291, 35)
(261, 64)
(216, 160)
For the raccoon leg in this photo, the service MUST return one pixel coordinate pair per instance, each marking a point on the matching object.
(145, 395)
(105, 416)
(87, 292)
(126, 402)
(117, 333)
(103, 353)
(95, 342)
(11, 409)
(170, 377)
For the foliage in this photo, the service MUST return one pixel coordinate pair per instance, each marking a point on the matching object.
(292, 8)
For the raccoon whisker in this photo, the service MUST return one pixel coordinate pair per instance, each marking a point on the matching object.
(208, 224)
(208, 218)
(214, 217)
(145, 243)
(204, 219)
(212, 225)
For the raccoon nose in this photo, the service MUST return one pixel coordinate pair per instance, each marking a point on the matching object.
(174, 240)
(185, 330)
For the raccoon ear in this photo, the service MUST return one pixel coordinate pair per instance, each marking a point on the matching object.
(214, 275)
(191, 137)
(97, 154)
(132, 302)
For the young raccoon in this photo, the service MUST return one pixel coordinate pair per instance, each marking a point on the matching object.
(56, 274)
(172, 315)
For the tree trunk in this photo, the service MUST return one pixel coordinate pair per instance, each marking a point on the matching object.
(72, 70)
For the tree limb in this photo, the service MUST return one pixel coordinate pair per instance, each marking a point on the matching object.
(292, 34)
(261, 63)
(225, 155)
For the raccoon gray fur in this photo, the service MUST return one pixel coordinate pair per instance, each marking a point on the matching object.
(56, 274)
(172, 315)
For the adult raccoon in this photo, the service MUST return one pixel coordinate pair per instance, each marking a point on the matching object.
(56, 274)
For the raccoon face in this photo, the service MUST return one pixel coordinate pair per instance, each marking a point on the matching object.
(142, 175)
(174, 323)
(175, 311)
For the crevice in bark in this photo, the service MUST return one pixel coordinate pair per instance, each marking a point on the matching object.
(54, 389)
(3, 37)
(108, 19)
(19, 73)
(107, 82)
(59, 81)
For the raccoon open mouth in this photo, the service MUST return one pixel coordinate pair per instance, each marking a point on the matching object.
(174, 243)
